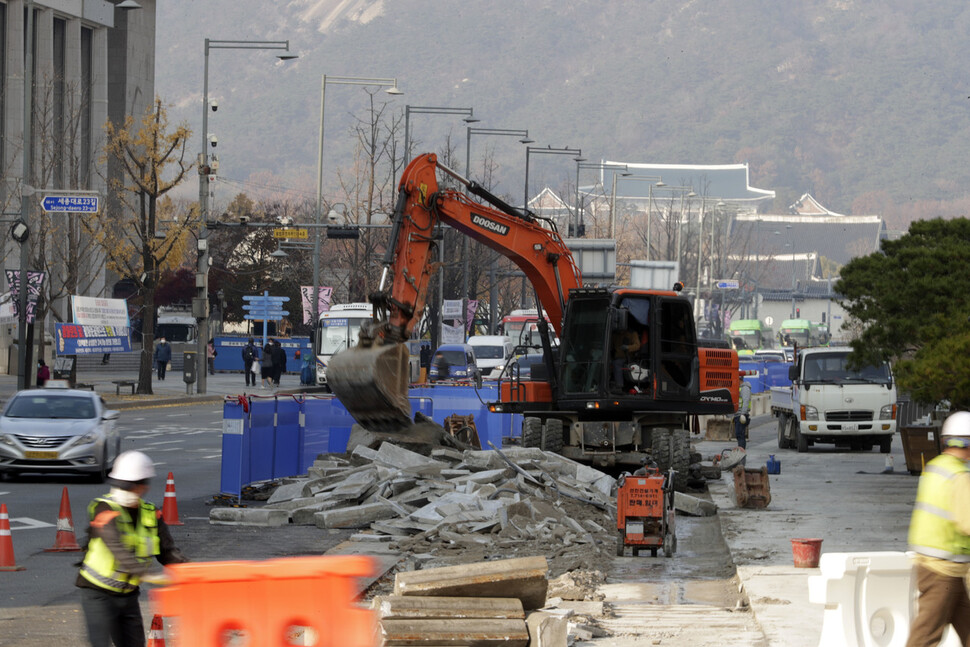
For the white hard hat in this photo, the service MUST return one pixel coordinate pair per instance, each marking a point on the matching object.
(957, 426)
(132, 466)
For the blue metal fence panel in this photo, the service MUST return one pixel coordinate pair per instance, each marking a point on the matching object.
(316, 430)
(262, 430)
(235, 449)
(287, 445)
(229, 352)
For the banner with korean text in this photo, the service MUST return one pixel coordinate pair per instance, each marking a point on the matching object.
(77, 339)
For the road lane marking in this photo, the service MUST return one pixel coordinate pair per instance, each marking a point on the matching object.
(26, 523)
(164, 442)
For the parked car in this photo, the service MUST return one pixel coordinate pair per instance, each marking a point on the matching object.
(491, 351)
(518, 367)
(454, 362)
(57, 429)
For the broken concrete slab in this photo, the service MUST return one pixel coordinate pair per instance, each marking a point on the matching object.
(523, 578)
(393, 607)
(447, 454)
(546, 630)
(693, 506)
(406, 460)
(475, 632)
(287, 491)
(361, 516)
(249, 517)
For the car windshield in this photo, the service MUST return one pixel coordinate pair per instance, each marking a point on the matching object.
(489, 352)
(450, 357)
(833, 367)
(51, 406)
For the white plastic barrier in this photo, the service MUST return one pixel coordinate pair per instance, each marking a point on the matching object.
(869, 600)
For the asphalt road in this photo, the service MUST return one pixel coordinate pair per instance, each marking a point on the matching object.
(39, 606)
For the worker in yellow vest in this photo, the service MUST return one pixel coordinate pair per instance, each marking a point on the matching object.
(939, 534)
(125, 535)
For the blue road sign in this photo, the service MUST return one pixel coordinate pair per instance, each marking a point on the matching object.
(258, 297)
(728, 284)
(77, 203)
(263, 317)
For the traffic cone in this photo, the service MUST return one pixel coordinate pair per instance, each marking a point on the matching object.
(64, 541)
(170, 507)
(156, 635)
(7, 562)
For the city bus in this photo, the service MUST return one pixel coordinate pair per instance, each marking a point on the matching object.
(801, 332)
(748, 335)
(337, 330)
(522, 327)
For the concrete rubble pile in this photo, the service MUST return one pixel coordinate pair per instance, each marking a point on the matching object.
(499, 602)
(456, 506)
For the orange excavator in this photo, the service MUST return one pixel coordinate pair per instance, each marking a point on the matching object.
(622, 385)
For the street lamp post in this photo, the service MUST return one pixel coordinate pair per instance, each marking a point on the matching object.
(791, 240)
(430, 110)
(529, 150)
(523, 136)
(392, 89)
(201, 302)
(654, 180)
(573, 230)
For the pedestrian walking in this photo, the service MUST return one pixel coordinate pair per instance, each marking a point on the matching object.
(279, 361)
(125, 534)
(249, 357)
(210, 356)
(43, 372)
(266, 366)
(743, 416)
(939, 534)
(163, 355)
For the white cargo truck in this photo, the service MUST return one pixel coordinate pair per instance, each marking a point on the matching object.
(830, 403)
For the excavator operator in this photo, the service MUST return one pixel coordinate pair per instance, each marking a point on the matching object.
(625, 343)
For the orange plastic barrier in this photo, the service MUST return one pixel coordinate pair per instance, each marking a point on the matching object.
(268, 600)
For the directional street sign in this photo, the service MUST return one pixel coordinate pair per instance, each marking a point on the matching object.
(259, 297)
(728, 284)
(291, 232)
(70, 203)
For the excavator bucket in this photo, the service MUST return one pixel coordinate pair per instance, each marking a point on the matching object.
(372, 383)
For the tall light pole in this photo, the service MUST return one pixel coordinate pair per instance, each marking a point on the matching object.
(654, 180)
(469, 114)
(392, 89)
(201, 302)
(573, 230)
(791, 240)
(549, 150)
(523, 136)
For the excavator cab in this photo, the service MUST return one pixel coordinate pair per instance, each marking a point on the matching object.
(630, 346)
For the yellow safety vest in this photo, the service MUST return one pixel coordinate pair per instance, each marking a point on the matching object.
(100, 567)
(932, 531)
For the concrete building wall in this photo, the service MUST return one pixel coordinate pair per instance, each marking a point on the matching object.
(103, 54)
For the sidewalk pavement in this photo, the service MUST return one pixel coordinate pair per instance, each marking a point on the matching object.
(839, 496)
(171, 390)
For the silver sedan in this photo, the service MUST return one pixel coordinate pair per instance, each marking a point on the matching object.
(58, 430)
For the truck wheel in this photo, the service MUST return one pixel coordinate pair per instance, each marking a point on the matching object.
(671, 448)
(886, 444)
(552, 437)
(801, 442)
(783, 441)
(531, 432)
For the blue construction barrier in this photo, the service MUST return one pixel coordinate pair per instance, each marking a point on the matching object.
(767, 374)
(269, 441)
(229, 352)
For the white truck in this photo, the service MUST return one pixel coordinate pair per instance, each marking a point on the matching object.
(830, 403)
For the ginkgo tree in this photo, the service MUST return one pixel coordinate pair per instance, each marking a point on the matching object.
(140, 229)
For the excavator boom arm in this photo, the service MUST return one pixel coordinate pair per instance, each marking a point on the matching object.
(538, 251)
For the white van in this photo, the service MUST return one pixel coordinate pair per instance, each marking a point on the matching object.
(491, 351)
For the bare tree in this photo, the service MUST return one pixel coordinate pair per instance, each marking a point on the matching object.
(153, 159)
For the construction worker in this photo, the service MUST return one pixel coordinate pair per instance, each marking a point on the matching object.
(939, 533)
(125, 534)
(624, 344)
(743, 417)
